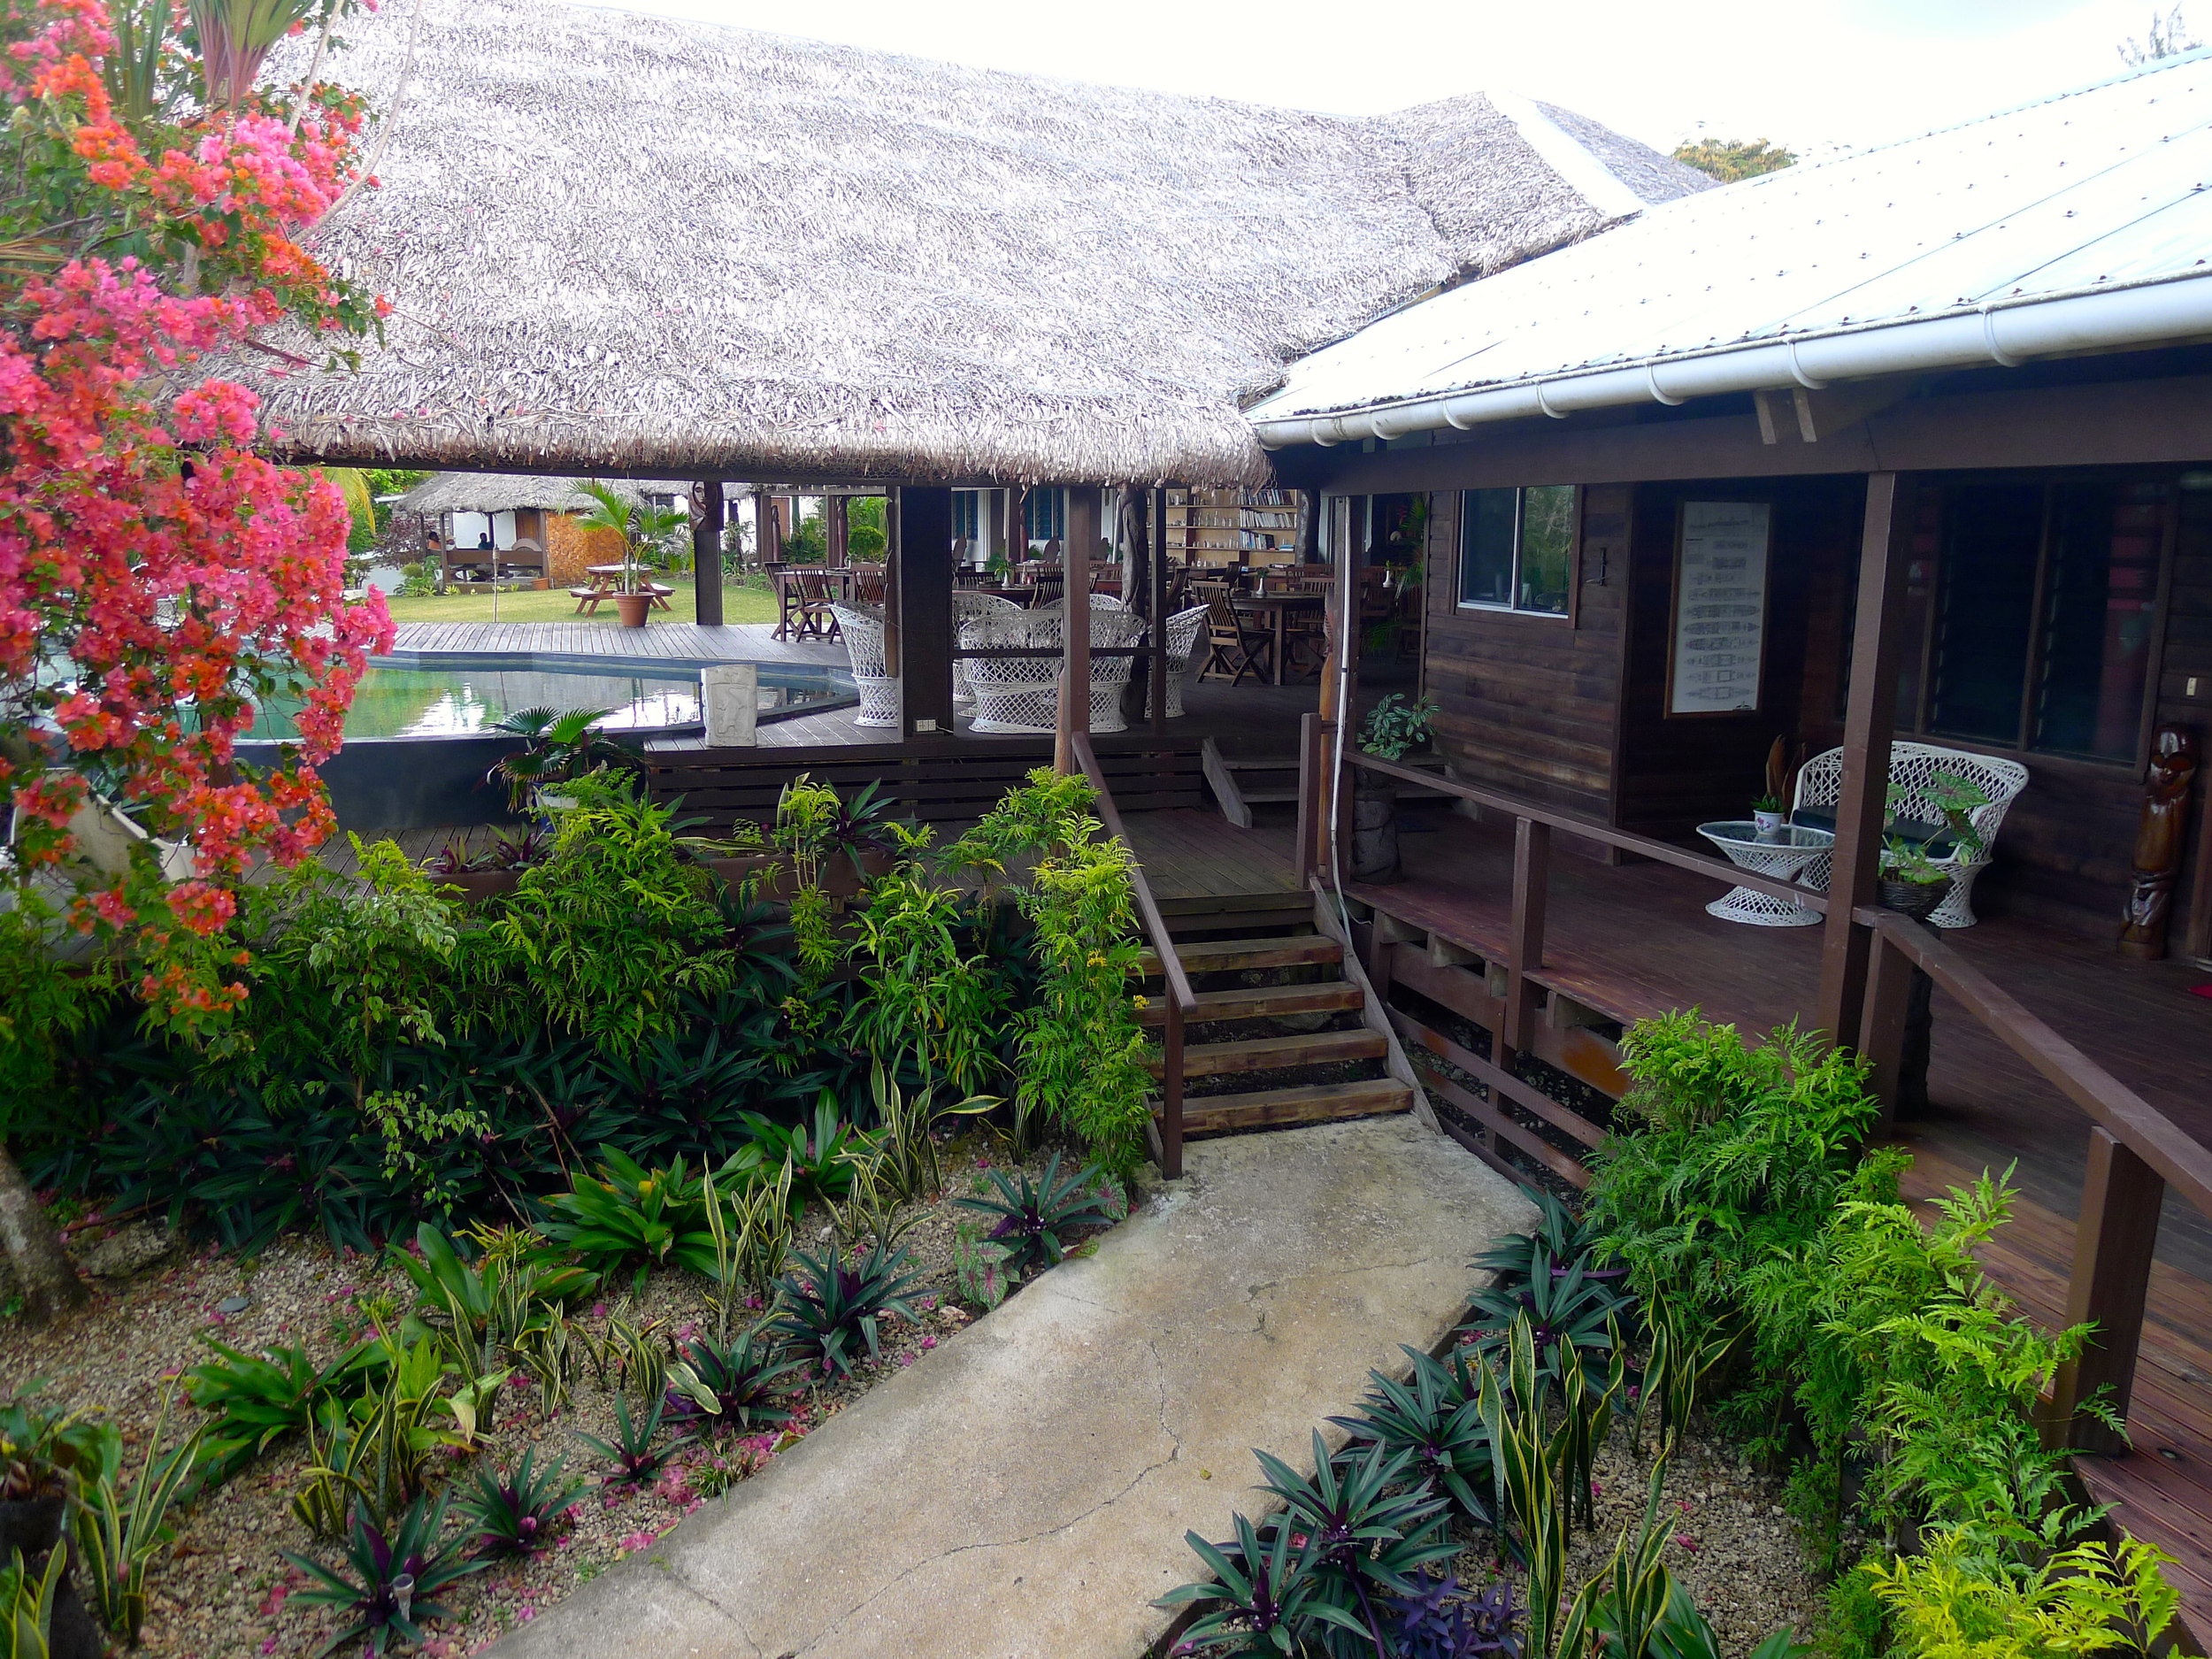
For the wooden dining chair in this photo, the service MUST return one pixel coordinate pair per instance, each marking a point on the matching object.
(814, 619)
(1048, 588)
(1233, 650)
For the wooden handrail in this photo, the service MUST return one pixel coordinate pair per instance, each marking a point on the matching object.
(1181, 1001)
(2181, 1161)
(1660, 852)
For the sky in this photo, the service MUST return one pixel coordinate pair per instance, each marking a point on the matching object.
(1812, 74)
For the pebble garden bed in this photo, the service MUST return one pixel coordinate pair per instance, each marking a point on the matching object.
(223, 1587)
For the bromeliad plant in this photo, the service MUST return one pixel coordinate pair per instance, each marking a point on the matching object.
(396, 1573)
(828, 1309)
(515, 1513)
(736, 1383)
(635, 1458)
(1435, 1418)
(1030, 1212)
(1263, 1599)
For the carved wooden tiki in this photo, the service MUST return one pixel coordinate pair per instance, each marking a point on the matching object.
(2158, 842)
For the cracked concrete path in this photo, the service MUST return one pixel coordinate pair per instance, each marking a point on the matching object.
(1024, 1490)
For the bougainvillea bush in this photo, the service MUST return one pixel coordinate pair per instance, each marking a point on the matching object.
(158, 574)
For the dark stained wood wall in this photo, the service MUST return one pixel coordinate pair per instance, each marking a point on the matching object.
(1530, 703)
(1679, 772)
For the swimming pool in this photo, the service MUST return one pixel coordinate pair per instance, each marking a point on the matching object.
(457, 702)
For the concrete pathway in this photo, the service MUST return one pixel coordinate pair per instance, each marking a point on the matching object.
(1025, 1491)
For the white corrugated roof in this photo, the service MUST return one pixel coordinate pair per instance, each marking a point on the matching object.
(2084, 193)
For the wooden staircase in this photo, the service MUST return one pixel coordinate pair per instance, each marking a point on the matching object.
(1278, 1036)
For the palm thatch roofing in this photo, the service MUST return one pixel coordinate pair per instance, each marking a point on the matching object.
(503, 492)
(623, 243)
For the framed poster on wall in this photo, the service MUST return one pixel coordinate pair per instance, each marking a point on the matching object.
(1717, 649)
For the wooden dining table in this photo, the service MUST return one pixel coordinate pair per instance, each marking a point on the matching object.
(1273, 614)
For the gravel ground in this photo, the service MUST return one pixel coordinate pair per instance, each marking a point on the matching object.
(223, 1587)
(1733, 1548)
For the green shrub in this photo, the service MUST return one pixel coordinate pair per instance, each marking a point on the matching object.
(1949, 1603)
(611, 931)
(1739, 1151)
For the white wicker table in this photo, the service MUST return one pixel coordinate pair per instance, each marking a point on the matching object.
(1781, 854)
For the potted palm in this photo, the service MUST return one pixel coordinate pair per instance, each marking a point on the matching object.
(1393, 728)
(644, 530)
(557, 747)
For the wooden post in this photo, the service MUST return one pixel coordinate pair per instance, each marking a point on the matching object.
(1075, 626)
(1882, 1028)
(839, 528)
(767, 527)
(923, 556)
(1312, 748)
(1172, 1091)
(1524, 943)
(707, 523)
(1155, 666)
(1016, 523)
(1870, 716)
(2113, 1240)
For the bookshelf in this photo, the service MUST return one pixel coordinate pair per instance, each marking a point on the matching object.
(1230, 528)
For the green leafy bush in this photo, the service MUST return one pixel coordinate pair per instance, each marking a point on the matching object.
(828, 1309)
(1029, 1213)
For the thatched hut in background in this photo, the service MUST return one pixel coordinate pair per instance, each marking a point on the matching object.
(529, 521)
(622, 243)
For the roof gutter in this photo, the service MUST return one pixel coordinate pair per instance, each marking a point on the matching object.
(2007, 335)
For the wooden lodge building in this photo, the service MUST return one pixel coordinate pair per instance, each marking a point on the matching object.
(1903, 459)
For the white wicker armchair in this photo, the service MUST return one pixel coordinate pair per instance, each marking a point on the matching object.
(1183, 629)
(1912, 772)
(966, 608)
(1022, 694)
(862, 629)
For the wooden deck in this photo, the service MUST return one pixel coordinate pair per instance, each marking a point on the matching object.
(674, 644)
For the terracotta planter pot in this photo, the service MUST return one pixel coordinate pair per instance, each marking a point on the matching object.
(633, 609)
(478, 885)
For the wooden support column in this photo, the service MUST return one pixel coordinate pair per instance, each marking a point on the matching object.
(1524, 943)
(1882, 1028)
(839, 529)
(767, 529)
(1075, 611)
(919, 598)
(1155, 666)
(1016, 523)
(1870, 716)
(707, 523)
(2114, 1239)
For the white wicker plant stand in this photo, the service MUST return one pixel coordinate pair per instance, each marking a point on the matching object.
(1912, 773)
(1018, 693)
(861, 630)
(967, 607)
(1782, 854)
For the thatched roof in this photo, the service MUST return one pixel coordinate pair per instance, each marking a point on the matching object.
(620, 242)
(503, 492)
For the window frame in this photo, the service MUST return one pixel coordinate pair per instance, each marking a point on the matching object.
(2021, 748)
(1572, 615)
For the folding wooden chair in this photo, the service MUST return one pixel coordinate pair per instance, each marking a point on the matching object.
(1232, 651)
(814, 621)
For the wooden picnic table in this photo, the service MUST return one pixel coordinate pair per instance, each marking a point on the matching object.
(1272, 613)
(604, 582)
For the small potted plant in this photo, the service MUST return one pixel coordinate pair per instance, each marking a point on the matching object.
(1393, 728)
(1910, 882)
(1771, 810)
(1769, 814)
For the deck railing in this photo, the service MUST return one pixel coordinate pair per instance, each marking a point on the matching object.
(2135, 1151)
(1180, 1000)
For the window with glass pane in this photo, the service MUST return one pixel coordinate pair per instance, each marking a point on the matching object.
(2098, 609)
(965, 514)
(1487, 523)
(1044, 515)
(1547, 528)
(1979, 667)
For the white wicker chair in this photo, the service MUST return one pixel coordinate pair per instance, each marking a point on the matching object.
(1018, 694)
(1183, 629)
(1912, 772)
(967, 607)
(861, 630)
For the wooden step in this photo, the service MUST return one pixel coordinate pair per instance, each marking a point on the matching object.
(1296, 911)
(1278, 1054)
(1269, 1001)
(1283, 1108)
(1230, 956)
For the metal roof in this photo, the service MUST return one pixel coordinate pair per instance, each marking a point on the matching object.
(2087, 192)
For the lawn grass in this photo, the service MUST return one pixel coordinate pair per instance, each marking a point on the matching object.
(739, 604)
